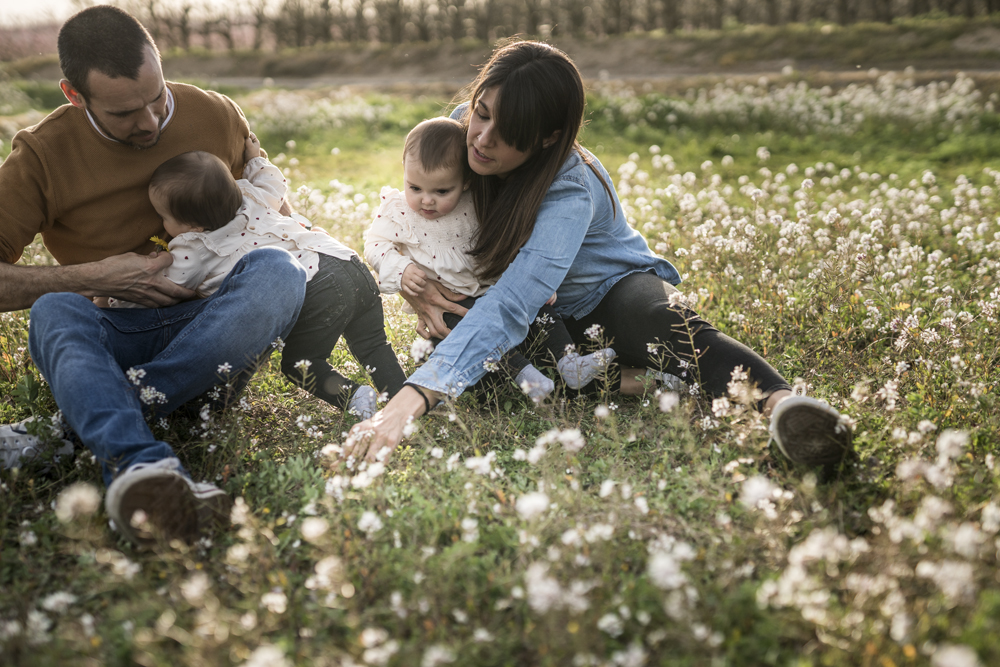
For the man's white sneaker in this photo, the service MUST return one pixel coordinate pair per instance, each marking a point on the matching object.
(156, 500)
(18, 447)
(810, 432)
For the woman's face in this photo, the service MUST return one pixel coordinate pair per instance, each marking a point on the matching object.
(489, 155)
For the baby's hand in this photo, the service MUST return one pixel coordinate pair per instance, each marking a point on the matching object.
(251, 148)
(414, 280)
(552, 299)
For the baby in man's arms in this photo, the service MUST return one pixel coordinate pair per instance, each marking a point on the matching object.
(215, 220)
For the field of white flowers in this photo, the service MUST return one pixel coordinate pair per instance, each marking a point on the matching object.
(852, 236)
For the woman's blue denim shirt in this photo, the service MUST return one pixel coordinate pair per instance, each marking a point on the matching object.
(581, 246)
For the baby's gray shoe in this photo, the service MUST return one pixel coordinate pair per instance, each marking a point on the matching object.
(577, 371)
(364, 403)
(534, 383)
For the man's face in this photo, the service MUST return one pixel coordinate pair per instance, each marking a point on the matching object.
(130, 110)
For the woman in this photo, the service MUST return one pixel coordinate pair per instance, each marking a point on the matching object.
(550, 220)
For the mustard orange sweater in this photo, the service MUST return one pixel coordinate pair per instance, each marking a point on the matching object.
(87, 195)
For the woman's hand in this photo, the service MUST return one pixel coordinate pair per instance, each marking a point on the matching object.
(376, 439)
(430, 306)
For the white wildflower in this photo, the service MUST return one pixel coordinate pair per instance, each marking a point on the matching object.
(612, 624)
(373, 637)
(313, 528)
(480, 464)
(380, 655)
(267, 656)
(369, 523)
(77, 501)
(952, 655)
(951, 443)
(532, 505)
(755, 489)
(599, 532)
(421, 349)
(58, 602)
(669, 400)
(665, 571)
(195, 587)
(276, 601)
(437, 655)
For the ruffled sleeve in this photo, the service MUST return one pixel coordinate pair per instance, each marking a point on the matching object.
(193, 260)
(264, 183)
(391, 229)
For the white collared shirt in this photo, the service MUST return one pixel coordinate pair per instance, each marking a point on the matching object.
(170, 114)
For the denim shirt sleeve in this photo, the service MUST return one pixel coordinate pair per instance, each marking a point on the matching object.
(501, 317)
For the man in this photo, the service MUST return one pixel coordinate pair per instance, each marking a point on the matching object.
(80, 179)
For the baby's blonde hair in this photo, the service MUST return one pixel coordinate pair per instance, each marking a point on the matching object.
(438, 143)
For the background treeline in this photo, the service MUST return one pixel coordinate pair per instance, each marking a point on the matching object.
(275, 24)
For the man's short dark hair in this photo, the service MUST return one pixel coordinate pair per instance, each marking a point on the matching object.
(199, 190)
(102, 38)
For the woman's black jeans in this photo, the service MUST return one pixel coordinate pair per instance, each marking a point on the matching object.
(341, 299)
(546, 342)
(636, 313)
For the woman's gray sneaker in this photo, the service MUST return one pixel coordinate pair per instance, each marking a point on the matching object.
(811, 432)
(18, 447)
(151, 501)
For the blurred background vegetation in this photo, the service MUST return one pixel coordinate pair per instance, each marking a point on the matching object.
(697, 32)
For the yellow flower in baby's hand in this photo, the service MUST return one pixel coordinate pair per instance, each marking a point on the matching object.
(160, 243)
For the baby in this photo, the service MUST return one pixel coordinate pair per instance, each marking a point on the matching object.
(427, 231)
(215, 220)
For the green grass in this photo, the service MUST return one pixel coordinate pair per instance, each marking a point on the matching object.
(456, 571)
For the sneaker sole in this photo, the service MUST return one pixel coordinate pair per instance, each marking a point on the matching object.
(214, 508)
(169, 505)
(816, 441)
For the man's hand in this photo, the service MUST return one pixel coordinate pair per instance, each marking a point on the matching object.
(137, 278)
(414, 280)
(430, 307)
(132, 277)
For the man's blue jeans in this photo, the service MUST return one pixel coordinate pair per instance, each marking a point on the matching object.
(109, 367)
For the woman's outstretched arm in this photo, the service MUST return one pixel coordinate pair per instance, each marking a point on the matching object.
(376, 439)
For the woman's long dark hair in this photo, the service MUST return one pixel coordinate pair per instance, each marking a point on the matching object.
(539, 93)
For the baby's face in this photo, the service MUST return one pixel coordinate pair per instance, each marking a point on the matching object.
(172, 226)
(432, 194)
